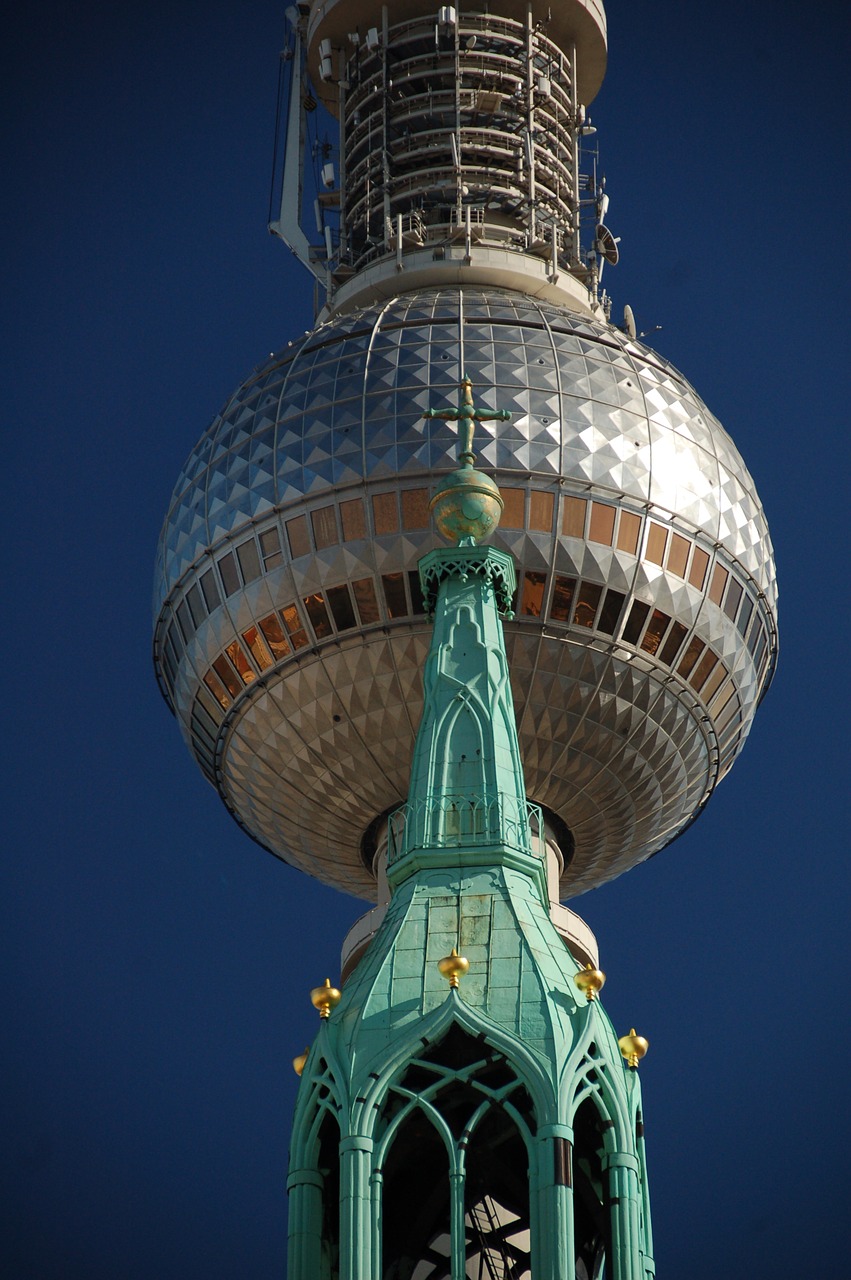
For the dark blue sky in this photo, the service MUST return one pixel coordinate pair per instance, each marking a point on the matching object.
(157, 962)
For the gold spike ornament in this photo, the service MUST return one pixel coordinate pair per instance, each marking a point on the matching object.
(633, 1048)
(325, 998)
(590, 981)
(453, 967)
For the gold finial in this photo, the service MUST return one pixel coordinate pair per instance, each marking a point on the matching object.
(325, 998)
(633, 1048)
(453, 967)
(300, 1062)
(590, 981)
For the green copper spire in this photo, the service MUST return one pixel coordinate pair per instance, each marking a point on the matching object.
(466, 1103)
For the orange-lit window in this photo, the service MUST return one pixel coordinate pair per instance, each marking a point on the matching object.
(366, 601)
(563, 590)
(324, 523)
(275, 638)
(318, 615)
(719, 582)
(672, 645)
(394, 594)
(297, 537)
(534, 585)
(734, 596)
(541, 507)
(702, 670)
(513, 513)
(629, 530)
(217, 689)
(385, 513)
(227, 675)
(586, 603)
(610, 612)
(257, 648)
(656, 539)
(602, 526)
(415, 513)
(678, 555)
(238, 657)
(573, 517)
(690, 657)
(715, 680)
(635, 621)
(656, 628)
(354, 521)
(293, 624)
(340, 604)
(699, 565)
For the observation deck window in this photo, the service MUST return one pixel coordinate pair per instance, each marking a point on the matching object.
(394, 594)
(415, 512)
(217, 689)
(656, 628)
(294, 626)
(274, 635)
(678, 555)
(541, 507)
(297, 536)
(734, 596)
(353, 519)
(414, 587)
(573, 517)
(562, 597)
(657, 537)
(211, 592)
(366, 601)
(249, 561)
(318, 615)
(270, 547)
(602, 526)
(702, 670)
(629, 531)
(238, 657)
(610, 612)
(586, 604)
(635, 621)
(690, 657)
(229, 575)
(324, 522)
(196, 605)
(385, 513)
(719, 582)
(534, 586)
(673, 644)
(256, 646)
(227, 675)
(342, 609)
(699, 565)
(513, 512)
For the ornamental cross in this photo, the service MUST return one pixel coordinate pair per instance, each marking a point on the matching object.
(466, 415)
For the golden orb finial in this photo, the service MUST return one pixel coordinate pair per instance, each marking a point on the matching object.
(453, 967)
(633, 1048)
(590, 981)
(300, 1062)
(325, 998)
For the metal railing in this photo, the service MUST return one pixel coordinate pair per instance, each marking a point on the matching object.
(456, 821)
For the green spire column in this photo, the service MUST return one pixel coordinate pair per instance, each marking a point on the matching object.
(474, 1105)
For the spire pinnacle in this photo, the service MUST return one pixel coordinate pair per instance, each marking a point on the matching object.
(468, 505)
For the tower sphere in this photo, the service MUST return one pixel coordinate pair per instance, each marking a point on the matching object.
(290, 632)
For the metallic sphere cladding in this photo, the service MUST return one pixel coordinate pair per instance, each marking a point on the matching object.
(290, 634)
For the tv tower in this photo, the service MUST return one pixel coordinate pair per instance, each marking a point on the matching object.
(463, 736)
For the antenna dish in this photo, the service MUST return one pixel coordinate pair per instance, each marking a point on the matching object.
(608, 245)
(629, 322)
